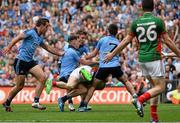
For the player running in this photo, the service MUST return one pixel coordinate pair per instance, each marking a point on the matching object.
(24, 62)
(105, 45)
(149, 29)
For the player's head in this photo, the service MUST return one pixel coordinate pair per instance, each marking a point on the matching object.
(148, 5)
(73, 41)
(113, 29)
(82, 36)
(42, 24)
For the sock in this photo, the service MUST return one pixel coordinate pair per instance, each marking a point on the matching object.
(36, 99)
(81, 104)
(54, 84)
(85, 104)
(8, 102)
(65, 98)
(134, 96)
(144, 97)
(70, 101)
(154, 115)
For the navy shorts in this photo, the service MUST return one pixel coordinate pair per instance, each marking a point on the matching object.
(64, 79)
(103, 73)
(22, 67)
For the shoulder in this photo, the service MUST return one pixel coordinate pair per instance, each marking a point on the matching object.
(104, 38)
(29, 31)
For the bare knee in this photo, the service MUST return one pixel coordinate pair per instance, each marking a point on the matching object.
(160, 88)
(70, 87)
(84, 90)
(43, 78)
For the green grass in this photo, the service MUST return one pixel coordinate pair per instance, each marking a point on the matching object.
(100, 113)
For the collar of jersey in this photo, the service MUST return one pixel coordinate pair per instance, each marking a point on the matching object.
(147, 13)
(36, 31)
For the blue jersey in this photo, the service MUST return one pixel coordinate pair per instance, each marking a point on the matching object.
(83, 49)
(105, 45)
(69, 62)
(30, 43)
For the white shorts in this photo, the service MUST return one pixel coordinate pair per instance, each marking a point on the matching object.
(76, 72)
(153, 69)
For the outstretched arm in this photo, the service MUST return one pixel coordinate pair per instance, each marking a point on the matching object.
(119, 48)
(92, 54)
(52, 50)
(171, 44)
(13, 42)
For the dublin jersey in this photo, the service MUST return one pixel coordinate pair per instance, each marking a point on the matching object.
(105, 45)
(30, 43)
(148, 30)
(69, 62)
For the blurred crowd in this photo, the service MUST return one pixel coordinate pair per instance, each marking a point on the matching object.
(93, 16)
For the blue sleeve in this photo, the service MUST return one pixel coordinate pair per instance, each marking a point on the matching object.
(99, 44)
(28, 33)
(75, 55)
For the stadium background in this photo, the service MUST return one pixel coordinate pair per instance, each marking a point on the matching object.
(93, 16)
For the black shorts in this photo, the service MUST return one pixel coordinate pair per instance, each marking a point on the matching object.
(103, 73)
(22, 68)
(64, 79)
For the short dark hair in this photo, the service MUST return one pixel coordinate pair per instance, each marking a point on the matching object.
(41, 21)
(113, 29)
(148, 5)
(72, 37)
(81, 32)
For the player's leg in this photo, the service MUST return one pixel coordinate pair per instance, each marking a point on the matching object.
(128, 85)
(75, 92)
(153, 109)
(118, 73)
(20, 70)
(19, 79)
(41, 77)
(100, 76)
(154, 71)
(71, 83)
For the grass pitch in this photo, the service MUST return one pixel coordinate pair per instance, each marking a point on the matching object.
(99, 113)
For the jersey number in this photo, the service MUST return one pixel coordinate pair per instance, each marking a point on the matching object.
(151, 34)
(115, 45)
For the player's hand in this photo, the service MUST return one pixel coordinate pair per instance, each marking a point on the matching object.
(164, 54)
(108, 57)
(6, 50)
(61, 53)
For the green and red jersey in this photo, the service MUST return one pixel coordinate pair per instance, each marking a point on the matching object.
(148, 30)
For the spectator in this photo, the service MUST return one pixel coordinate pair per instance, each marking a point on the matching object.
(174, 96)
(4, 80)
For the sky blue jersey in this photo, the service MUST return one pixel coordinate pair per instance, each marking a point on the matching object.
(105, 45)
(29, 44)
(69, 62)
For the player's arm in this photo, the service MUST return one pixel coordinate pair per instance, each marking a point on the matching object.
(171, 44)
(52, 49)
(13, 42)
(169, 54)
(119, 48)
(88, 62)
(92, 54)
